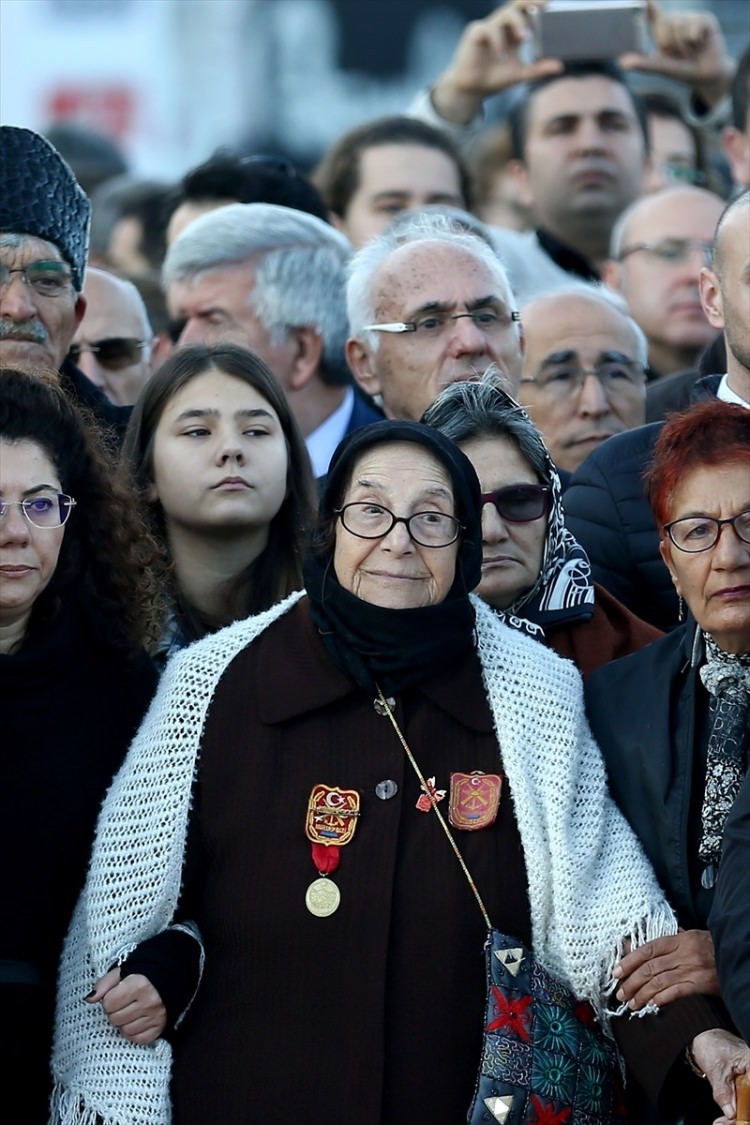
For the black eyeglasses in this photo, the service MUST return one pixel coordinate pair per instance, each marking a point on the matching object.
(116, 353)
(701, 533)
(373, 521)
(520, 503)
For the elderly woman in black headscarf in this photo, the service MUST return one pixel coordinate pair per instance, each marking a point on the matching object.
(312, 758)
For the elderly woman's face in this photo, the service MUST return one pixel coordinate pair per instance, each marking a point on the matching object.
(715, 583)
(28, 554)
(394, 571)
(511, 552)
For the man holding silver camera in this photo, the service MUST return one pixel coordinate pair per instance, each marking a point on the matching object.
(579, 137)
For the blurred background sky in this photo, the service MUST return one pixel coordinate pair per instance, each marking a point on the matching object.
(171, 80)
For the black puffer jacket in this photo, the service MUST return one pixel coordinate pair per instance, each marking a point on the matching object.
(607, 511)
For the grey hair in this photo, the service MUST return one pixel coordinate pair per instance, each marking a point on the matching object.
(439, 229)
(601, 295)
(483, 409)
(300, 270)
(442, 216)
(13, 240)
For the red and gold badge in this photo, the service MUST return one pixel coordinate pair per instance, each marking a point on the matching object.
(474, 800)
(332, 815)
(330, 823)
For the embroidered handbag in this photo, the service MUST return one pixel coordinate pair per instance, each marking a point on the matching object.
(545, 1059)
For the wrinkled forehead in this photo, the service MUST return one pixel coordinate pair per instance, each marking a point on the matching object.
(423, 272)
(584, 327)
(27, 248)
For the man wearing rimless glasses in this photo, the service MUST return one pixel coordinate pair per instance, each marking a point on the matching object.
(112, 344)
(429, 306)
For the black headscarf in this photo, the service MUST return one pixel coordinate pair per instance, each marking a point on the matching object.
(396, 648)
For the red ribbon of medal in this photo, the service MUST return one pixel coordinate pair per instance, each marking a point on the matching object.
(330, 824)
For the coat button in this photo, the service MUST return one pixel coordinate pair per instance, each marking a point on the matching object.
(386, 789)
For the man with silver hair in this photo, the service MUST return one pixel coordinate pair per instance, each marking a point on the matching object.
(272, 280)
(429, 305)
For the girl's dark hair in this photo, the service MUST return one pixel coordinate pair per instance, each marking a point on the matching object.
(277, 571)
(105, 566)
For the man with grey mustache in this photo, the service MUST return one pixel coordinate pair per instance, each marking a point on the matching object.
(44, 224)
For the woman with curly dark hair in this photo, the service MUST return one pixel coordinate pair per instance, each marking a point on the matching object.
(76, 606)
(216, 452)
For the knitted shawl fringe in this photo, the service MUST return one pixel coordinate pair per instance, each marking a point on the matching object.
(591, 888)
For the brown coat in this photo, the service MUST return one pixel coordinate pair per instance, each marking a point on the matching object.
(374, 1014)
(612, 632)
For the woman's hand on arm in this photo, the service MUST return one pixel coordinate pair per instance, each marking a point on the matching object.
(132, 1005)
(667, 969)
(722, 1057)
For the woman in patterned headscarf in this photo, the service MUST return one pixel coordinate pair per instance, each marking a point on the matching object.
(534, 573)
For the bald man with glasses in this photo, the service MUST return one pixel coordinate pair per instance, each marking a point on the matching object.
(584, 376)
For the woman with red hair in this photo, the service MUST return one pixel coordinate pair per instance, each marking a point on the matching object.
(673, 720)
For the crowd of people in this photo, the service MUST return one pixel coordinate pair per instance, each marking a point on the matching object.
(375, 579)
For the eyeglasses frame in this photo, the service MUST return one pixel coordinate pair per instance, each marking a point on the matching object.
(720, 524)
(399, 519)
(66, 503)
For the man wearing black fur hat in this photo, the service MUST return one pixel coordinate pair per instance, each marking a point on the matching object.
(44, 226)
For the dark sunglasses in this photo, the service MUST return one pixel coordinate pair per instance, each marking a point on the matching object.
(116, 353)
(520, 503)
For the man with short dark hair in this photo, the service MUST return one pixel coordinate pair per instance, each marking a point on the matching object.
(228, 177)
(386, 166)
(580, 143)
(44, 226)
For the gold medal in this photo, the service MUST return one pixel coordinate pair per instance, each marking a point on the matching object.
(330, 824)
(322, 897)
(474, 800)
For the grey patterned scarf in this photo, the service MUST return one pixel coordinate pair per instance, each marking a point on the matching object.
(727, 677)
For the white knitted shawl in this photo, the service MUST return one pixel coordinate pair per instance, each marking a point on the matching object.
(590, 886)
